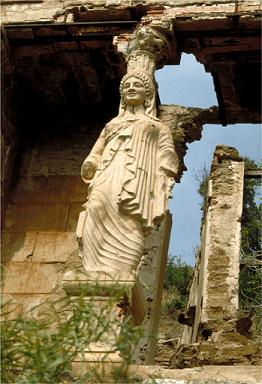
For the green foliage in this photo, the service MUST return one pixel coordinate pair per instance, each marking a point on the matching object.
(202, 177)
(176, 284)
(250, 278)
(39, 349)
(250, 292)
(251, 216)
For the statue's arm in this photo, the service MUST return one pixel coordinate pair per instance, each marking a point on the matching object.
(92, 161)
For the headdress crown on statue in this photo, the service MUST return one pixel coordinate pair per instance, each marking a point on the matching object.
(146, 49)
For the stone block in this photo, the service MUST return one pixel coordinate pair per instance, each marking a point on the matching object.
(42, 279)
(32, 50)
(36, 217)
(65, 46)
(15, 277)
(39, 189)
(12, 308)
(93, 44)
(54, 247)
(76, 189)
(36, 304)
(183, 23)
(20, 33)
(21, 277)
(17, 246)
(47, 31)
(52, 189)
(75, 209)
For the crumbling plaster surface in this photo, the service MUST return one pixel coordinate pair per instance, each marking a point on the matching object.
(56, 11)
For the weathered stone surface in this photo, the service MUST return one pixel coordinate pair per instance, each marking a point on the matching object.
(65, 46)
(29, 278)
(36, 217)
(75, 82)
(205, 374)
(17, 246)
(213, 337)
(16, 276)
(97, 10)
(239, 351)
(31, 304)
(147, 292)
(223, 236)
(54, 247)
(51, 189)
(186, 126)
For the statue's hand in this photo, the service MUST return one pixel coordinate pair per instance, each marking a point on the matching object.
(88, 170)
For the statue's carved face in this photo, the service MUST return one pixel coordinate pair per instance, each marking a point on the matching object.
(133, 91)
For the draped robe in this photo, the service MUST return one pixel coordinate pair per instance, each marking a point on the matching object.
(136, 163)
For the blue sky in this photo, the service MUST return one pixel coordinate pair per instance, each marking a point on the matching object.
(188, 84)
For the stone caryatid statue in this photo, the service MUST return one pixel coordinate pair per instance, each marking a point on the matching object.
(130, 169)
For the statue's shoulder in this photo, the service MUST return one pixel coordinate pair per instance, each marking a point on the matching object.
(162, 126)
(112, 124)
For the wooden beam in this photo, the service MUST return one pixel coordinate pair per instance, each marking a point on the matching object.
(253, 173)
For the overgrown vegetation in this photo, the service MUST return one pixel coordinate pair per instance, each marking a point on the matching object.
(176, 285)
(250, 278)
(251, 231)
(202, 177)
(39, 347)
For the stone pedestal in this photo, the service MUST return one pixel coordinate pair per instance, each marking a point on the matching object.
(134, 294)
(108, 292)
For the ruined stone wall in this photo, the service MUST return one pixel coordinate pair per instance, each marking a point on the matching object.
(47, 192)
(210, 335)
(50, 10)
(39, 230)
(214, 291)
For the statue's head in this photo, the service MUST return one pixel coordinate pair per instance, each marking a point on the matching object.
(137, 88)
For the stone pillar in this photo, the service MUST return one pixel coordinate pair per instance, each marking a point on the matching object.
(147, 292)
(222, 240)
(214, 290)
